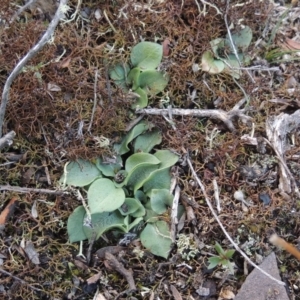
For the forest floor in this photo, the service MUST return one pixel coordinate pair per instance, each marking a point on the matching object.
(252, 146)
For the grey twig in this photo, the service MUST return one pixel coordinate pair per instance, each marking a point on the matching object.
(7, 139)
(21, 280)
(31, 53)
(222, 115)
(30, 190)
(95, 101)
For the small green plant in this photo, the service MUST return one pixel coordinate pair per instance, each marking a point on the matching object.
(141, 75)
(125, 192)
(222, 259)
(222, 57)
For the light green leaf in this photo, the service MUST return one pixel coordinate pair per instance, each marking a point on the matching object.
(140, 159)
(139, 166)
(160, 199)
(216, 45)
(210, 64)
(132, 207)
(103, 196)
(133, 78)
(233, 63)
(142, 101)
(156, 238)
(80, 173)
(146, 141)
(219, 249)
(229, 253)
(123, 148)
(119, 71)
(102, 222)
(109, 168)
(146, 55)
(75, 225)
(160, 178)
(241, 39)
(213, 262)
(153, 81)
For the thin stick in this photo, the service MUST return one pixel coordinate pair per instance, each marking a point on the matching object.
(21, 9)
(30, 190)
(95, 101)
(31, 53)
(223, 228)
(204, 113)
(21, 280)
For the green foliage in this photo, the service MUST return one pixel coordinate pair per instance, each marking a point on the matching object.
(222, 259)
(125, 192)
(143, 78)
(222, 57)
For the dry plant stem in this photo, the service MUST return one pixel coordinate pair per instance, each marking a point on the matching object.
(117, 266)
(279, 242)
(95, 101)
(217, 195)
(7, 140)
(30, 190)
(174, 212)
(203, 113)
(223, 228)
(32, 52)
(21, 280)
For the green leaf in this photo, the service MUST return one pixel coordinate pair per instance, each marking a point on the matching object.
(241, 39)
(139, 166)
(217, 45)
(140, 159)
(102, 222)
(119, 71)
(160, 199)
(156, 238)
(229, 253)
(75, 225)
(103, 196)
(233, 63)
(213, 262)
(146, 141)
(123, 148)
(219, 249)
(142, 101)
(146, 55)
(153, 81)
(210, 64)
(109, 169)
(160, 178)
(80, 173)
(133, 78)
(132, 207)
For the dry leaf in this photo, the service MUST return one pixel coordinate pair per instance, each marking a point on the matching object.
(31, 253)
(94, 278)
(8, 211)
(175, 293)
(34, 211)
(226, 294)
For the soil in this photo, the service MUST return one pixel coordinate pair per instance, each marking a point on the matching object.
(254, 149)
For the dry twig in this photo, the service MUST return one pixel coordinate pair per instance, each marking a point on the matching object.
(31, 53)
(222, 115)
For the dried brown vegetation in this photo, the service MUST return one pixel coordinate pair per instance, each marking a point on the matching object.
(54, 94)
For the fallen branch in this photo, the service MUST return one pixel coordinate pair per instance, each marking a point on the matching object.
(223, 228)
(222, 115)
(31, 53)
(30, 190)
